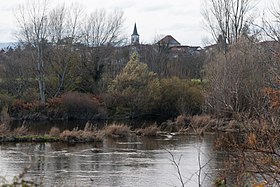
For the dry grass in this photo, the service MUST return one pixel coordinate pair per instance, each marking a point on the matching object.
(85, 135)
(55, 132)
(20, 131)
(149, 131)
(182, 120)
(89, 127)
(117, 130)
(200, 121)
(4, 129)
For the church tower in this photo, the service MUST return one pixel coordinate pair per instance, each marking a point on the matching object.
(135, 36)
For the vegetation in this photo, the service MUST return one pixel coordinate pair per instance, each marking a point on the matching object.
(117, 130)
(65, 69)
(151, 130)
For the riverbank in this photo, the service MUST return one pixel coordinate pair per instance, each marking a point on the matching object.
(182, 125)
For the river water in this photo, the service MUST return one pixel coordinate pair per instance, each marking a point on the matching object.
(133, 161)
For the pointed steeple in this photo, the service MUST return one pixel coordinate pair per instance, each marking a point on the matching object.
(135, 30)
(135, 36)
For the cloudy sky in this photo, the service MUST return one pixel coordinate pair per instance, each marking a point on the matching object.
(180, 18)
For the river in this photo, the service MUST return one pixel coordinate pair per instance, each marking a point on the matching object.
(133, 161)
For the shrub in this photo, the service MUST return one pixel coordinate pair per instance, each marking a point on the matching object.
(5, 101)
(138, 85)
(202, 123)
(4, 129)
(180, 96)
(149, 131)
(116, 130)
(20, 131)
(182, 120)
(82, 106)
(77, 135)
(54, 132)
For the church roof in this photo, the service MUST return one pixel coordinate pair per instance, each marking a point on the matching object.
(169, 40)
(135, 30)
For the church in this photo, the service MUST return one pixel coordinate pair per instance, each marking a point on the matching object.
(167, 42)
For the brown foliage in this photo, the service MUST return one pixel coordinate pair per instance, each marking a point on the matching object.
(149, 131)
(19, 105)
(202, 121)
(117, 130)
(20, 131)
(54, 132)
(76, 135)
(274, 98)
(81, 106)
(54, 102)
(4, 129)
(253, 155)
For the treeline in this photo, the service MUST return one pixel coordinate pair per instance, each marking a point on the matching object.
(67, 58)
(69, 65)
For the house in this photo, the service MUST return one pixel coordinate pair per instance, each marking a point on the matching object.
(168, 41)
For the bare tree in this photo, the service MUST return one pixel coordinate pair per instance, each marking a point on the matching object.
(64, 31)
(33, 22)
(100, 33)
(102, 28)
(271, 27)
(235, 87)
(57, 24)
(227, 18)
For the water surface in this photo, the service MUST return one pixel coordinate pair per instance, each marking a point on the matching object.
(133, 161)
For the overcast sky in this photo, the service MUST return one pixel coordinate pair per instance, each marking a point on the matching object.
(154, 18)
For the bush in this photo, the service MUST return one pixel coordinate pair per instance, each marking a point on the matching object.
(20, 131)
(4, 129)
(180, 96)
(136, 88)
(82, 106)
(116, 130)
(54, 132)
(77, 135)
(5, 101)
(149, 131)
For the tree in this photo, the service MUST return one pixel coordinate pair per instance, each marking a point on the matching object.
(138, 85)
(271, 27)
(33, 23)
(227, 19)
(100, 33)
(236, 86)
(63, 32)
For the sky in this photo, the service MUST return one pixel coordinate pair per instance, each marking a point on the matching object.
(154, 18)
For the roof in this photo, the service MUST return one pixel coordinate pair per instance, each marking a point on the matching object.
(135, 30)
(169, 40)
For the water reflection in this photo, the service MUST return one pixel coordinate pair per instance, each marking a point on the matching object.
(134, 161)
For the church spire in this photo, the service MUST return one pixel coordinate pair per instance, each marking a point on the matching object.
(135, 30)
(135, 36)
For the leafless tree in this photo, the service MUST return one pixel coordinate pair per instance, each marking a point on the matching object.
(64, 30)
(32, 19)
(236, 86)
(271, 23)
(100, 33)
(102, 28)
(57, 24)
(227, 19)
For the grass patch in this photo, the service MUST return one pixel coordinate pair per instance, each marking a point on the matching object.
(151, 130)
(117, 130)
(77, 135)
(20, 131)
(4, 129)
(55, 132)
